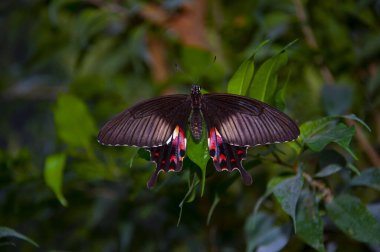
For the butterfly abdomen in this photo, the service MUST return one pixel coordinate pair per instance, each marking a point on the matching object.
(196, 124)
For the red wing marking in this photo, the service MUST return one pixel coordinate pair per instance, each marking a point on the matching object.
(168, 157)
(227, 157)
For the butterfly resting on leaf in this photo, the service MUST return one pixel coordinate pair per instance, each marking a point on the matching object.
(233, 124)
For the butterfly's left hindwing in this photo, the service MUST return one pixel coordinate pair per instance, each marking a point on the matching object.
(227, 157)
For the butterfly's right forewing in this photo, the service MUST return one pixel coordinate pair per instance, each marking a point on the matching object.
(147, 124)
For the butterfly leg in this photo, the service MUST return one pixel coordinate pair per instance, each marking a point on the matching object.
(168, 157)
(227, 157)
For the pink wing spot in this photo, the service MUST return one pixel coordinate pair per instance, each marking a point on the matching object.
(156, 154)
(163, 162)
(222, 157)
(233, 160)
(240, 152)
(171, 169)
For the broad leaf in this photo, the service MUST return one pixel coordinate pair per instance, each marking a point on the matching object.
(8, 232)
(340, 134)
(74, 124)
(328, 170)
(264, 82)
(198, 153)
(369, 177)
(287, 193)
(261, 234)
(242, 78)
(53, 173)
(309, 223)
(353, 218)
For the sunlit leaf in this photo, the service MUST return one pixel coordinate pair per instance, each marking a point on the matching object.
(368, 177)
(53, 173)
(264, 82)
(242, 78)
(74, 123)
(353, 218)
(8, 232)
(198, 153)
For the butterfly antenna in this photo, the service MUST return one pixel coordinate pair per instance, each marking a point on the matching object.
(179, 69)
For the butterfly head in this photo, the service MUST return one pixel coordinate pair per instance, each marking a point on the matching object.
(195, 90)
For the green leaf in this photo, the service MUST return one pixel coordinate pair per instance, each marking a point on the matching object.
(192, 185)
(242, 78)
(261, 233)
(53, 173)
(369, 177)
(264, 82)
(328, 170)
(74, 124)
(8, 232)
(309, 223)
(287, 194)
(355, 118)
(340, 134)
(353, 218)
(212, 209)
(198, 153)
(311, 128)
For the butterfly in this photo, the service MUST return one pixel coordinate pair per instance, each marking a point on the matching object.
(233, 124)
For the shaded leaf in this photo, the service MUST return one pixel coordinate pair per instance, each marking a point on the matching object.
(369, 177)
(262, 235)
(328, 170)
(353, 218)
(8, 232)
(287, 193)
(309, 223)
(340, 134)
(355, 118)
(242, 78)
(212, 208)
(74, 124)
(192, 185)
(53, 173)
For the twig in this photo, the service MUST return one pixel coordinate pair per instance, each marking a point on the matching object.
(326, 192)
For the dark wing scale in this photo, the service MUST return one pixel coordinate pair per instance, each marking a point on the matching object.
(148, 123)
(168, 157)
(227, 157)
(242, 121)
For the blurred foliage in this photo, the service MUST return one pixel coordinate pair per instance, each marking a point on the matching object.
(70, 65)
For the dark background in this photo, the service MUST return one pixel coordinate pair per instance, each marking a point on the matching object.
(107, 55)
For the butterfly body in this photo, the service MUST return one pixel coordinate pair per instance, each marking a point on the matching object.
(233, 124)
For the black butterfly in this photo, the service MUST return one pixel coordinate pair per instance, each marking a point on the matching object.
(233, 124)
